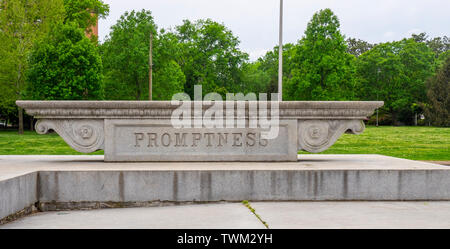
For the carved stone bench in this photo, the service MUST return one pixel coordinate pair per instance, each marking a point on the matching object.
(143, 131)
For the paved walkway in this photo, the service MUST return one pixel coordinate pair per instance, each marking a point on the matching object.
(334, 215)
(446, 163)
(13, 166)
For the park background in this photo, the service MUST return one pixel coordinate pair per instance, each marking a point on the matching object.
(50, 51)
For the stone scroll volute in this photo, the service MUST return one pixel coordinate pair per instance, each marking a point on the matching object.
(316, 136)
(85, 136)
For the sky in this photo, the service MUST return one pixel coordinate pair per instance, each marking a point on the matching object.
(256, 22)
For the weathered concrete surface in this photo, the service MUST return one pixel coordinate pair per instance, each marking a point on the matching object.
(223, 216)
(355, 215)
(287, 215)
(87, 179)
(17, 193)
(147, 140)
(11, 166)
(273, 185)
(446, 163)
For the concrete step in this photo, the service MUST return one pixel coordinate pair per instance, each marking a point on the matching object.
(77, 182)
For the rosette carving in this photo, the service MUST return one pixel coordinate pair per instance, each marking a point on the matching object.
(316, 136)
(85, 136)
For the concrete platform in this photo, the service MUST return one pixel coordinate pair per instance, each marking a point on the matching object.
(277, 215)
(224, 216)
(74, 182)
(355, 215)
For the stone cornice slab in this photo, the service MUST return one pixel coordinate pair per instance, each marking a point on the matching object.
(164, 109)
(142, 131)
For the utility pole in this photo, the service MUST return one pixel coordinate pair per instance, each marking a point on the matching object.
(377, 112)
(280, 63)
(378, 87)
(150, 74)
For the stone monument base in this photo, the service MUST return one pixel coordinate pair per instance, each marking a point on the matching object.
(76, 182)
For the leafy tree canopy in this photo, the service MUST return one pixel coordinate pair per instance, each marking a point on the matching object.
(22, 23)
(210, 57)
(262, 76)
(438, 45)
(396, 72)
(438, 111)
(323, 70)
(126, 57)
(85, 12)
(65, 65)
(358, 47)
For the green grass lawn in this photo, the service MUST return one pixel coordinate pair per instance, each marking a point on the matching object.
(32, 143)
(416, 143)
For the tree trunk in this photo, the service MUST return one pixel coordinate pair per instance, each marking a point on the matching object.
(31, 124)
(20, 121)
(394, 119)
(150, 86)
(138, 93)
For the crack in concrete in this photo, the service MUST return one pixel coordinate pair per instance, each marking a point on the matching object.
(248, 205)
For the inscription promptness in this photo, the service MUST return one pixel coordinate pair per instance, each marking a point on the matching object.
(193, 139)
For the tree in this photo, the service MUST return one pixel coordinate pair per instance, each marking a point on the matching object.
(65, 65)
(323, 70)
(262, 76)
(442, 59)
(438, 45)
(395, 72)
(126, 56)
(210, 57)
(8, 96)
(169, 78)
(85, 12)
(420, 38)
(438, 110)
(254, 79)
(358, 47)
(22, 23)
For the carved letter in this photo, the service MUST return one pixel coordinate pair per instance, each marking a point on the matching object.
(208, 136)
(180, 140)
(237, 138)
(166, 138)
(139, 137)
(251, 139)
(152, 140)
(223, 137)
(196, 138)
(263, 142)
